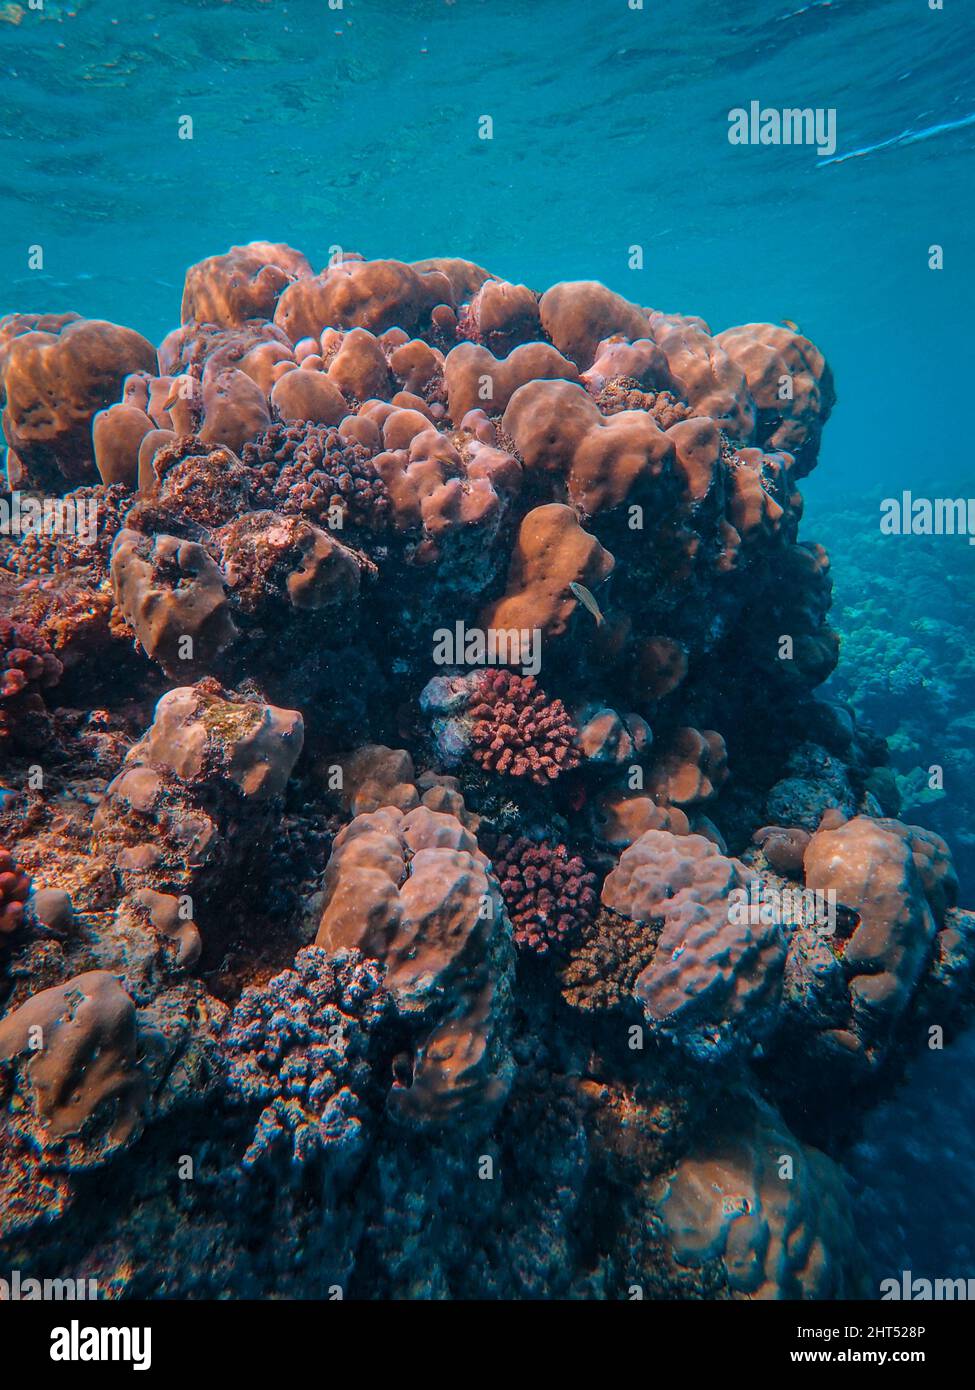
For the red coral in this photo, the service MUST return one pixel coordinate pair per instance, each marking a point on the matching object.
(549, 895)
(27, 665)
(14, 889)
(519, 731)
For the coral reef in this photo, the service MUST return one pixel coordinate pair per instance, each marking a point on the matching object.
(29, 667)
(902, 604)
(14, 888)
(712, 983)
(56, 372)
(415, 893)
(430, 867)
(311, 471)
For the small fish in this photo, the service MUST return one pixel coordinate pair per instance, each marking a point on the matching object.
(735, 1206)
(787, 323)
(184, 388)
(587, 601)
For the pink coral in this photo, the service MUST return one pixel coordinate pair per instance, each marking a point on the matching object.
(14, 888)
(27, 665)
(550, 895)
(520, 732)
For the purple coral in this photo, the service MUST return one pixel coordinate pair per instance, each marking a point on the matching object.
(299, 1046)
(519, 731)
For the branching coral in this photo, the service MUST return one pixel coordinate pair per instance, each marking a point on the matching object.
(603, 966)
(550, 895)
(27, 666)
(624, 393)
(299, 1047)
(14, 891)
(42, 553)
(519, 732)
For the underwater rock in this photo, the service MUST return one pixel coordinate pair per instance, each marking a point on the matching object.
(194, 791)
(621, 817)
(551, 552)
(476, 380)
(768, 356)
(784, 847)
(81, 1088)
(501, 316)
(52, 907)
(174, 596)
(243, 284)
(772, 1218)
(362, 294)
(689, 769)
(577, 315)
(871, 867)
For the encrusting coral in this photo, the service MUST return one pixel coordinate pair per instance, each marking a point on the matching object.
(408, 780)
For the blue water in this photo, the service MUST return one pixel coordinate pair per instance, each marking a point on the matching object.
(359, 128)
